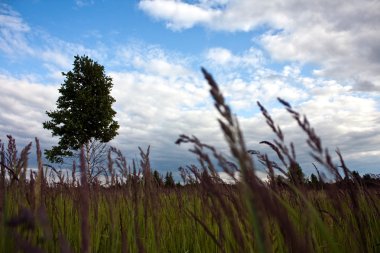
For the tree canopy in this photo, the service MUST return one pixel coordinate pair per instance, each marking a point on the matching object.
(84, 109)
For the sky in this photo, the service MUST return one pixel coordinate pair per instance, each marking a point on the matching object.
(323, 57)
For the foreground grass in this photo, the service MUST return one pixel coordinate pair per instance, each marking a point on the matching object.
(186, 219)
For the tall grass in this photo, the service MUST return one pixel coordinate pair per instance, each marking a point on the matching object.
(131, 212)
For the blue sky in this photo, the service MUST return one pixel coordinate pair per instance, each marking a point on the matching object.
(322, 57)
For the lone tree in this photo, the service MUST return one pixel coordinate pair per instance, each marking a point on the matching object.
(84, 113)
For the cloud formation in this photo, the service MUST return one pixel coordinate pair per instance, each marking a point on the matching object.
(159, 94)
(23, 104)
(179, 14)
(342, 39)
(13, 30)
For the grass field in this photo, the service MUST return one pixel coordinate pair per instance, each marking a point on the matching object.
(133, 212)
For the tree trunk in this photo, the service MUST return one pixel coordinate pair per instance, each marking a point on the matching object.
(88, 160)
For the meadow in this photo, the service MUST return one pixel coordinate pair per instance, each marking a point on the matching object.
(133, 211)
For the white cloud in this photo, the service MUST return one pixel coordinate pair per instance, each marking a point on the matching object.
(23, 107)
(245, 78)
(179, 14)
(219, 55)
(12, 32)
(154, 110)
(158, 97)
(152, 59)
(57, 58)
(11, 20)
(343, 39)
(20, 42)
(223, 57)
(342, 119)
(60, 53)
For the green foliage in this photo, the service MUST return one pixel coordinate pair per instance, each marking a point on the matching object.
(314, 182)
(84, 109)
(356, 176)
(157, 178)
(296, 174)
(169, 181)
